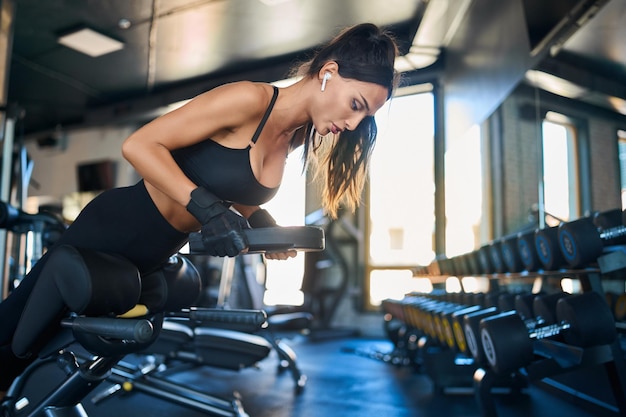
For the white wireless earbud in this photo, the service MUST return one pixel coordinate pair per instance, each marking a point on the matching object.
(326, 78)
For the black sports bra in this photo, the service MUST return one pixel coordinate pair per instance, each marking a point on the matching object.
(226, 172)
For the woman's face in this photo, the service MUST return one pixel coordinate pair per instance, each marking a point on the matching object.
(345, 102)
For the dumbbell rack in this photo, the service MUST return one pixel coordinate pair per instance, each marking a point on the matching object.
(560, 358)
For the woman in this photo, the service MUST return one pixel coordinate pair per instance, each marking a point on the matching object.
(227, 148)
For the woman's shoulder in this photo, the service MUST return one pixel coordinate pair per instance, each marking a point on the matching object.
(249, 94)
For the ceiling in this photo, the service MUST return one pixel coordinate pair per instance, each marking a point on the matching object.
(175, 49)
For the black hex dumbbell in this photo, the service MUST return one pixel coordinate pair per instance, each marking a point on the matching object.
(583, 320)
(437, 319)
(521, 303)
(419, 310)
(402, 335)
(484, 259)
(448, 320)
(432, 316)
(510, 254)
(547, 248)
(482, 303)
(583, 240)
(527, 252)
(495, 254)
(534, 308)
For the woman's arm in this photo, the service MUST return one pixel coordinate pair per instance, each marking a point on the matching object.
(217, 114)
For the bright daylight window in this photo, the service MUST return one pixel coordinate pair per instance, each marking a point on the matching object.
(401, 197)
(560, 185)
(463, 180)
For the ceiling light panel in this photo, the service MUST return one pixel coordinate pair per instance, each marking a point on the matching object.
(90, 42)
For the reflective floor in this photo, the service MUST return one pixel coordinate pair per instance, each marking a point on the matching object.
(342, 380)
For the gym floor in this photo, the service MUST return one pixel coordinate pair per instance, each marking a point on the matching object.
(341, 381)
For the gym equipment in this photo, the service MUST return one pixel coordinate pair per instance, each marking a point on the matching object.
(424, 337)
(584, 320)
(526, 249)
(402, 335)
(441, 319)
(473, 266)
(91, 286)
(544, 308)
(454, 321)
(547, 248)
(32, 235)
(470, 321)
(510, 254)
(583, 240)
(178, 340)
(15, 176)
(96, 285)
(433, 340)
(495, 254)
(249, 276)
(485, 261)
(194, 336)
(327, 275)
(273, 239)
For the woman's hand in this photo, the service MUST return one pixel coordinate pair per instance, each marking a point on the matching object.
(257, 218)
(281, 255)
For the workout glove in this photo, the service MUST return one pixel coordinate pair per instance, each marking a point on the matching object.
(261, 218)
(222, 229)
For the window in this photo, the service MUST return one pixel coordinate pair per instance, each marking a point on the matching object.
(401, 196)
(560, 172)
(463, 182)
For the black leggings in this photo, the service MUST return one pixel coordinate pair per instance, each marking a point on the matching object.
(123, 221)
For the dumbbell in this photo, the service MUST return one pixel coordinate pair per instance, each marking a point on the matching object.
(413, 306)
(583, 320)
(544, 308)
(455, 320)
(495, 254)
(511, 254)
(422, 314)
(442, 320)
(431, 321)
(449, 320)
(446, 266)
(399, 332)
(583, 240)
(442, 326)
(521, 302)
(547, 248)
(403, 306)
(394, 321)
(431, 316)
(484, 259)
(400, 327)
(527, 252)
(472, 263)
(470, 322)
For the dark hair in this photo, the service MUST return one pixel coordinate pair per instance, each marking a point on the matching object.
(365, 53)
